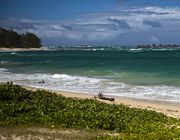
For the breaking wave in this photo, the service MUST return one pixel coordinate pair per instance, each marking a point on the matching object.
(90, 85)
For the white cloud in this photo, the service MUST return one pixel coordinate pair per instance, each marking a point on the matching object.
(103, 26)
(154, 39)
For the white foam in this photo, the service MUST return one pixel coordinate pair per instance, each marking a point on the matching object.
(135, 50)
(2, 70)
(13, 53)
(4, 62)
(92, 85)
(60, 76)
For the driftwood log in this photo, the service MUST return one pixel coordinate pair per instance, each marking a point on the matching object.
(101, 96)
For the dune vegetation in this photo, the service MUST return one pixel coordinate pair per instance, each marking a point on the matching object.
(24, 108)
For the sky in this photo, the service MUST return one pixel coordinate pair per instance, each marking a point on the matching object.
(95, 22)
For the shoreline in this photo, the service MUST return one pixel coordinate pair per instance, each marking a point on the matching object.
(21, 49)
(168, 108)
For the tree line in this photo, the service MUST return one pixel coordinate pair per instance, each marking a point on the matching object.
(11, 39)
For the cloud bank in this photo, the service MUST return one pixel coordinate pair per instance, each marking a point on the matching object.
(137, 25)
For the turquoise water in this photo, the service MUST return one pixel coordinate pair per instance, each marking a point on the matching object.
(151, 74)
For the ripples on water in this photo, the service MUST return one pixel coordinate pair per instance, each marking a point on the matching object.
(136, 73)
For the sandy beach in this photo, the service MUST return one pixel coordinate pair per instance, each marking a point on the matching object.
(21, 49)
(168, 108)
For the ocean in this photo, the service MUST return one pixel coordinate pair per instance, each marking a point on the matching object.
(152, 74)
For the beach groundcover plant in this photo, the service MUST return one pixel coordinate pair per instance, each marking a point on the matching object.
(22, 107)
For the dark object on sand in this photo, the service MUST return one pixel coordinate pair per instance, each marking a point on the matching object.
(101, 96)
(42, 82)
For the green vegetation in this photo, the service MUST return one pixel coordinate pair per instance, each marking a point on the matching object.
(21, 107)
(11, 39)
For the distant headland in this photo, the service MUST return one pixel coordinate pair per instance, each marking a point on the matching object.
(154, 46)
(12, 40)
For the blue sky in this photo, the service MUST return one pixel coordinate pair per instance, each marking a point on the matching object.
(95, 22)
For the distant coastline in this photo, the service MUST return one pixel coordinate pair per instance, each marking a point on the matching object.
(154, 46)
